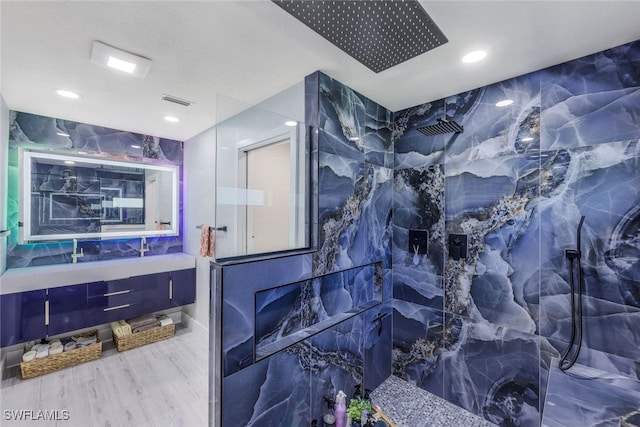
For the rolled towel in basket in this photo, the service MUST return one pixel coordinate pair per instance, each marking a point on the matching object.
(137, 322)
(85, 341)
(165, 321)
(121, 328)
(145, 327)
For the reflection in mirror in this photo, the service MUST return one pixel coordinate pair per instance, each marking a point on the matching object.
(262, 177)
(65, 197)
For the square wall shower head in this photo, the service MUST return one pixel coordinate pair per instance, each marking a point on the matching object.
(378, 33)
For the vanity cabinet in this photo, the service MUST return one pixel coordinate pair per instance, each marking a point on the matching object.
(22, 317)
(68, 309)
(35, 314)
(183, 287)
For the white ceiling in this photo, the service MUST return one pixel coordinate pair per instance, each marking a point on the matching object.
(248, 50)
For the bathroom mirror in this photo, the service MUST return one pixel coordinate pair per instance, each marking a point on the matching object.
(65, 197)
(262, 176)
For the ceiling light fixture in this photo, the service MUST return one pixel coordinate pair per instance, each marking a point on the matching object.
(171, 119)
(67, 94)
(62, 134)
(290, 123)
(116, 59)
(527, 139)
(69, 162)
(135, 146)
(474, 56)
(504, 103)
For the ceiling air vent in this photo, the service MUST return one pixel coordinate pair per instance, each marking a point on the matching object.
(176, 100)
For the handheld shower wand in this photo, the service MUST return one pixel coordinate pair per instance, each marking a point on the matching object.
(576, 329)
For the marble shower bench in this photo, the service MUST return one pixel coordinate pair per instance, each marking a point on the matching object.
(409, 406)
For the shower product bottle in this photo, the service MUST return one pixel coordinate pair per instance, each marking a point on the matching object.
(340, 409)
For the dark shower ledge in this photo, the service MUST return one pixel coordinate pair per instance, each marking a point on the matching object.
(409, 406)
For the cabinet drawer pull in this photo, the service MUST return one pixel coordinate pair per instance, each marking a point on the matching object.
(110, 294)
(46, 312)
(116, 308)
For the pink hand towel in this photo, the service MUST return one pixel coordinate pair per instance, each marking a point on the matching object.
(206, 241)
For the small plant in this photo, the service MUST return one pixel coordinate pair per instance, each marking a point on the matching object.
(356, 406)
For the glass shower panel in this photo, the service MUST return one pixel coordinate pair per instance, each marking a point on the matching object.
(262, 176)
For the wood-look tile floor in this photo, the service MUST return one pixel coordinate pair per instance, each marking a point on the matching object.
(163, 384)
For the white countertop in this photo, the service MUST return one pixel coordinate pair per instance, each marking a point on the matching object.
(51, 276)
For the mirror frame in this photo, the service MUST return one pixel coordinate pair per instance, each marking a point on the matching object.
(25, 159)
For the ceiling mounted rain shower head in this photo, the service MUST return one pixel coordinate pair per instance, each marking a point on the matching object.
(441, 128)
(378, 33)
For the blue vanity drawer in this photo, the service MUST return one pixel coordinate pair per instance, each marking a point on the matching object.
(113, 286)
(100, 315)
(115, 299)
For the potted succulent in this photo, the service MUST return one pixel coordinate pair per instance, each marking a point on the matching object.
(354, 411)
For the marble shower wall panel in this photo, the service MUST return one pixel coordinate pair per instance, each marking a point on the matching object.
(592, 100)
(64, 136)
(336, 361)
(489, 131)
(377, 343)
(493, 202)
(591, 398)
(412, 148)
(272, 392)
(376, 216)
(492, 371)
(342, 120)
(240, 282)
(600, 182)
(312, 100)
(418, 203)
(378, 134)
(418, 342)
(355, 145)
(344, 190)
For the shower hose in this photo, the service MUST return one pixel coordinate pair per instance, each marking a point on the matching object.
(574, 255)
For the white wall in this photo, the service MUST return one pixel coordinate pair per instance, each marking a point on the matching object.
(4, 147)
(199, 208)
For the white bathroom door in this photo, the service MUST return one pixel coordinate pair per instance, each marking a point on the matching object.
(268, 197)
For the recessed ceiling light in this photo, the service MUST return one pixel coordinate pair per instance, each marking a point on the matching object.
(290, 123)
(117, 59)
(474, 56)
(171, 119)
(135, 146)
(67, 94)
(504, 102)
(62, 134)
(527, 138)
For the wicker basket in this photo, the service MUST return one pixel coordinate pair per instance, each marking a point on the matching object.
(143, 338)
(55, 362)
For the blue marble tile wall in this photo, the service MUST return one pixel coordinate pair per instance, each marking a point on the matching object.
(354, 203)
(67, 137)
(485, 332)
